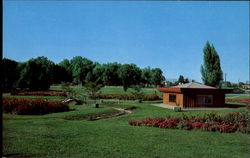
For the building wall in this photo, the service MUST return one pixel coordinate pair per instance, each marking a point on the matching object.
(179, 99)
(219, 100)
(190, 100)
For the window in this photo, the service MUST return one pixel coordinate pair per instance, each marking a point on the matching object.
(172, 98)
(204, 99)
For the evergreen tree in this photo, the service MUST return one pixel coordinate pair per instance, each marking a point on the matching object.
(212, 74)
(181, 79)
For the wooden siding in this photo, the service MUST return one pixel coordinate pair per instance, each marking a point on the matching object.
(179, 99)
(187, 97)
(189, 100)
(219, 100)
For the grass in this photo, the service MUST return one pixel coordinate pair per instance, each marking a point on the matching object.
(112, 90)
(52, 135)
(90, 112)
(237, 96)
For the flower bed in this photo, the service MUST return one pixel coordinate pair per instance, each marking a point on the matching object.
(244, 100)
(126, 96)
(32, 106)
(232, 122)
(40, 93)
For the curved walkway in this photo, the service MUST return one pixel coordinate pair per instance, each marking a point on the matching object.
(187, 109)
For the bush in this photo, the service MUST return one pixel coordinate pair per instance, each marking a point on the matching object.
(232, 122)
(244, 100)
(125, 96)
(32, 106)
(40, 93)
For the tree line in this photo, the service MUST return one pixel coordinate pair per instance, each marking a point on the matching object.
(40, 73)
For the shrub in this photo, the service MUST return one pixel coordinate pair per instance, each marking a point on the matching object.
(232, 122)
(32, 106)
(40, 93)
(244, 100)
(125, 96)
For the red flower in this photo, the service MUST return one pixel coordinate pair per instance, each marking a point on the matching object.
(231, 122)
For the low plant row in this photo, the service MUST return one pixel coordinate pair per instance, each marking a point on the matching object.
(126, 96)
(32, 106)
(244, 100)
(232, 122)
(40, 93)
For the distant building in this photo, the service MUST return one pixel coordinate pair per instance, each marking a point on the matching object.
(171, 80)
(246, 86)
(191, 95)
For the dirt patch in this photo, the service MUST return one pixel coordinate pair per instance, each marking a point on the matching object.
(120, 113)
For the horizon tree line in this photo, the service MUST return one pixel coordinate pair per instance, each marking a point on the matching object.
(40, 73)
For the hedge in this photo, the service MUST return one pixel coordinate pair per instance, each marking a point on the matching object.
(32, 106)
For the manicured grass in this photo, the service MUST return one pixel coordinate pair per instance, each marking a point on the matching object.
(119, 90)
(237, 96)
(69, 134)
(52, 135)
(112, 90)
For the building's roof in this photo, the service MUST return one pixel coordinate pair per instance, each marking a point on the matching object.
(193, 85)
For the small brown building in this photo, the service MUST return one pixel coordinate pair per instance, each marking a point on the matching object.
(193, 95)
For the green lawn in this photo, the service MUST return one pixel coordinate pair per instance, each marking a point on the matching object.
(237, 96)
(70, 134)
(112, 90)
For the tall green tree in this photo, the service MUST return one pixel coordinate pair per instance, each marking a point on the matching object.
(181, 79)
(80, 67)
(66, 64)
(130, 75)
(36, 74)
(60, 74)
(10, 74)
(157, 76)
(110, 74)
(212, 74)
(146, 76)
(98, 72)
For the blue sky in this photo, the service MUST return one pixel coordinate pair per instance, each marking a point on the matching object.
(169, 35)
